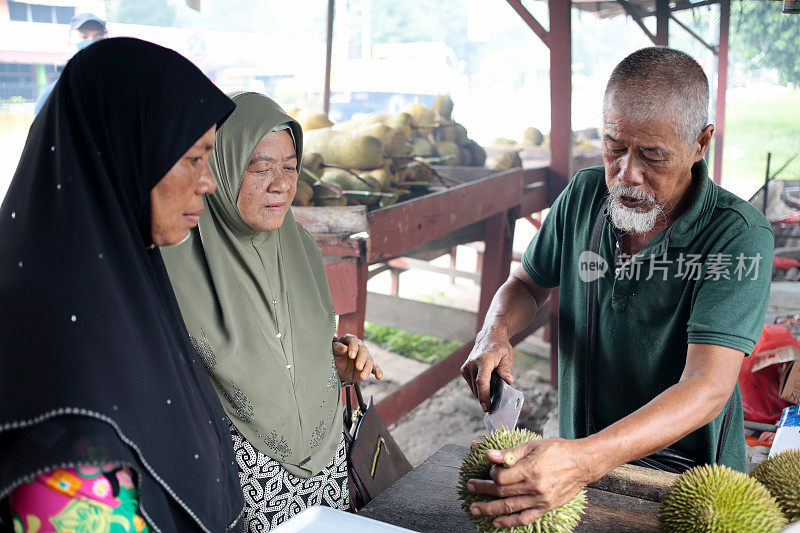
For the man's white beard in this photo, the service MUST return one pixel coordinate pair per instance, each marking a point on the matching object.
(630, 220)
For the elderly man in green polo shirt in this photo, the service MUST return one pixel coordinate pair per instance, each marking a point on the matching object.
(678, 272)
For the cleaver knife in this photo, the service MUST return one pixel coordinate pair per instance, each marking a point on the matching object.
(506, 403)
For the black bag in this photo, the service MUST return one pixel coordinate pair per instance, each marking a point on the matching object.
(374, 460)
(668, 459)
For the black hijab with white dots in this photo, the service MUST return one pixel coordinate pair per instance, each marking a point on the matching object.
(95, 363)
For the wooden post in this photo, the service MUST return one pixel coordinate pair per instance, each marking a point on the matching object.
(496, 260)
(560, 134)
(326, 97)
(662, 23)
(722, 86)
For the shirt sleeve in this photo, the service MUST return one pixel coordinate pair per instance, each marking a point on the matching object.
(542, 257)
(731, 298)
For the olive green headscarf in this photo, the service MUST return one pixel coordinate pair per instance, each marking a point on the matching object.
(258, 307)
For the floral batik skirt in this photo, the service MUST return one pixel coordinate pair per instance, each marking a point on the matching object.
(272, 495)
(86, 499)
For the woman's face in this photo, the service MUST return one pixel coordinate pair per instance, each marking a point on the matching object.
(177, 200)
(269, 182)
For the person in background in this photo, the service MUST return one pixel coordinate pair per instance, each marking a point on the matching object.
(108, 421)
(252, 288)
(84, 29)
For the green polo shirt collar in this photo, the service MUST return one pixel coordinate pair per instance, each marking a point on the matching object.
(698, 214)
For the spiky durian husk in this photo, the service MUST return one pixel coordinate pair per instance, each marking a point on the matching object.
(507, 160)
(714, 498)
(781, 476)
(476, 466)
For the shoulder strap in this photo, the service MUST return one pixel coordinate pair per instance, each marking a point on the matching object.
(591, 323)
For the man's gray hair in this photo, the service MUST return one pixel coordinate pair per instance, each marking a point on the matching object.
(660, 82)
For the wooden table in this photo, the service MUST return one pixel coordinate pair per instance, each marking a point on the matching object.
(425, 499)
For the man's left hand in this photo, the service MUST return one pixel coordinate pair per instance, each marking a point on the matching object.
(548, 474)
(353, 360)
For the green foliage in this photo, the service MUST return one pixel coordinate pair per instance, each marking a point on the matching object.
(413, 345)
(767, 38)
(147, 12)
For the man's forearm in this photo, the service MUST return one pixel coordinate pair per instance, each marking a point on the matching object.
(513, 307)
(679, 410)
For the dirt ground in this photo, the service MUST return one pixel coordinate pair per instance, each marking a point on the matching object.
(452, 415)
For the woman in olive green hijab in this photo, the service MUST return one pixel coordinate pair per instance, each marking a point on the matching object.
(252, 289)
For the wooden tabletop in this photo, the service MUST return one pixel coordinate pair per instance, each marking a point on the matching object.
(425, 499)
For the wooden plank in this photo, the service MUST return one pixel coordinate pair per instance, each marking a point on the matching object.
(420, 317)
(496, 260)
(530, 20)
(534, 198)
(355, 281)
(342, 280)
(332, 220)
(637, 481)
(408, 263)
(560, 44)
(338, 246)
(426, 499)
(403, 400)
(395, 229)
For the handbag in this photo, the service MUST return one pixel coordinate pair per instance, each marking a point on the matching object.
(374, 460)
(668, 459)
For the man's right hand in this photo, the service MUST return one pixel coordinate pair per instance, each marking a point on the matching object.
(491, 351)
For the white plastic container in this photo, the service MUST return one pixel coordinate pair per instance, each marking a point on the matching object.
(319, 519)
(788, 435)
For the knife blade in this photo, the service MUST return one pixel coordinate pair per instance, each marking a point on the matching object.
(505, 405)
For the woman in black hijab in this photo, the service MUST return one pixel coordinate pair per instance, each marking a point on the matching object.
(95, 363)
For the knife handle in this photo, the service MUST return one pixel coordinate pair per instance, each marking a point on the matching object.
(494, 387)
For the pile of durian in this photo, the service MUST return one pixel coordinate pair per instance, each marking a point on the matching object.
(380, 159)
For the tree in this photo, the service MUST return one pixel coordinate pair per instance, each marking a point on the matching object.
(767, 38)
(147, 12)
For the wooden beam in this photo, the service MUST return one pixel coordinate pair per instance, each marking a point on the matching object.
(684, 5)
(694, 34)
(403, 400)
(496, 259)
(394, 230)
(420, 317)
(722, 86)
(344, 220)
(530, 20)
(326, 97)
(560, 43)
(633, 11)
(662, 22)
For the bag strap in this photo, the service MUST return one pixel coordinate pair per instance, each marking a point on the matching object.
(591, 323)
(726, 424)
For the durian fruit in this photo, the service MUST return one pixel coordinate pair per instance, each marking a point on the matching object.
(714, 498)
(464, 156)
(507, 160)
(461, 134)
(423, 117)
(443, 107)
(781, 476)
(446, 133)
(503, 141)
(448, 149)
(532, 137)
(477, 153)
(326, 197)
(476, 466)
(422, 147)
(402, 122)
(312, 162)
(304, 194)
(392, 140)
(363, 152)
(313, 120)
(383, 177)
